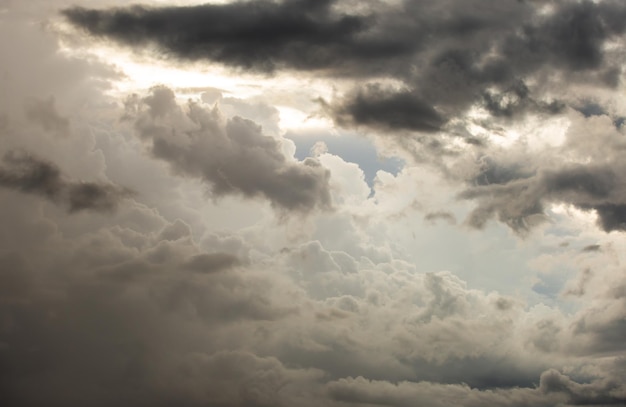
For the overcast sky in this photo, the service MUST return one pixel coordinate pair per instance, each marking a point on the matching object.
(322, 203)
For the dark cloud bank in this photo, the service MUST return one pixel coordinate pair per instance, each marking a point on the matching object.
(449, 55)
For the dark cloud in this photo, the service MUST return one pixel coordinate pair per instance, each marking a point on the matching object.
(401, 110)
(519, 202)
(572, 36)
(233, 156)
(449, 56)
(259, 35)
(516, 100)
(95, 196)
(29, 174)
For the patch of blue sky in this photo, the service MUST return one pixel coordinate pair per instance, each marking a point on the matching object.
(351, 148)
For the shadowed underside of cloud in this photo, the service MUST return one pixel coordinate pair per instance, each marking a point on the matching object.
(232, 156)
(29, 174)
(451, 55)
(520, 202)
(377, 107)
(260, 35)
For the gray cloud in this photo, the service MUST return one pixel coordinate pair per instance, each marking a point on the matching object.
(233, 156)
(29, 174)
(520, 201)
(377, 107)
(260, 35)
(466, 54)
(125, 323)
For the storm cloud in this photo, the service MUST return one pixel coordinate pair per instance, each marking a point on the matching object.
(465, 57)
(260, 35)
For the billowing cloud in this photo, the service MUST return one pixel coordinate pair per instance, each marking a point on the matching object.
(366, 289)
(233, 156)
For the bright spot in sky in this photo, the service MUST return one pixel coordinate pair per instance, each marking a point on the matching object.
(580, 217)
(291, 118)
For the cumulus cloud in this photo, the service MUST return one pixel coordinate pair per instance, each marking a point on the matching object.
(175, 299)
(232, 156)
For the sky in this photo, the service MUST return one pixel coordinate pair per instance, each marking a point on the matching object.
(329, 203)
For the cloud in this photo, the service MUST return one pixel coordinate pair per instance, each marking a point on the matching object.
(262, 35)
(29, 174)
(44, 113)
(606, 391)
(155, 319)
(520, 203)
(517, 184)
(232, 156)
(448, 57)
